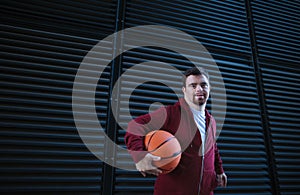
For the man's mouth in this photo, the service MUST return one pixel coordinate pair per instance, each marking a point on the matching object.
(200, 96)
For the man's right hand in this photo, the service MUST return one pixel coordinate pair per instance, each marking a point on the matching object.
(145, 165)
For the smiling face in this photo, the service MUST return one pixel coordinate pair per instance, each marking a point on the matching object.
(196, 91)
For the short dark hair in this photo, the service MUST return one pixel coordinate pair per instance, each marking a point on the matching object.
(194, 71)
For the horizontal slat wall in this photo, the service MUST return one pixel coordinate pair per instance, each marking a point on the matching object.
(42, 45)
(282, 97)
(220, 22)
(241, 141)
(222, 28)
(277, 33)
(277, 30)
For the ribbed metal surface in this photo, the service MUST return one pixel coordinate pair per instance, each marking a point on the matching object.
(282, 98)
(277, 34)
(222, 28)
(214, 24)
(277, 29)
(42, 45)
(242, 141)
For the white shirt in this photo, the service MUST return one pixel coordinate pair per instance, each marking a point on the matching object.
(199, 117)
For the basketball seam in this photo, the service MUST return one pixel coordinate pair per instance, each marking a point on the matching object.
(150, 139)
(162, 144)
(173, 155)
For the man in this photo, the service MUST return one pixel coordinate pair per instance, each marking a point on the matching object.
(200, 169)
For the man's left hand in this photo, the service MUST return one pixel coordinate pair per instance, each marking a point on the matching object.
(222, 180)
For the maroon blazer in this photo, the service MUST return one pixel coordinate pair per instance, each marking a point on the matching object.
(194, 167)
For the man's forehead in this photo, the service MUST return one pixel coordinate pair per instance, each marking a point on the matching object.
(196, 79)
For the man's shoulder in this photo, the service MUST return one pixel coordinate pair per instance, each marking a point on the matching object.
(178, 106)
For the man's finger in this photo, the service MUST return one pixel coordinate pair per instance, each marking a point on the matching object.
(143, 173)
(224, 180)
(154, 172)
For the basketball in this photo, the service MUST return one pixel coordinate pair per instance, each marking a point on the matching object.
(165, 145)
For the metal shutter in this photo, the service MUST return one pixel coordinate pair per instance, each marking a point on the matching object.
(42, 45)
(222, 28)
(277, 33)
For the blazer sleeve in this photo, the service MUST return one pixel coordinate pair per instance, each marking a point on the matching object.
(218, 161)
(139, 127)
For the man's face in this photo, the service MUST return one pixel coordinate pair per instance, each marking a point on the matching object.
(196, 90)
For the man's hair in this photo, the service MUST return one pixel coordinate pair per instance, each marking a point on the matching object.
(194, 71)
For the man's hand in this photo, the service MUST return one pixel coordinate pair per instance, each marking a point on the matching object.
(222, 180)
(145, 165)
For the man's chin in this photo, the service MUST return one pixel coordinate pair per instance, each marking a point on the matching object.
(199, 103)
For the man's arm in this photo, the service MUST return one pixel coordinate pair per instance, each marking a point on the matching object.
(221, 176)
(218, 162)
(134, 139)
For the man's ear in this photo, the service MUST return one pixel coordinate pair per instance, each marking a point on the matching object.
(183, 89)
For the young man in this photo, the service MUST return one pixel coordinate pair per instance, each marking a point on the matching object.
(200, 169)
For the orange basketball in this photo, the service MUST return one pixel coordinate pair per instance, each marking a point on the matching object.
(165, 145)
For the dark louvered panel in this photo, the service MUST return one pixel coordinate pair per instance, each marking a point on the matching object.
(71, 18)
(214, 24)
(277, 36)
(226, 36)
(241, 141)
(277, 29)
(282, 99)
(42, 45)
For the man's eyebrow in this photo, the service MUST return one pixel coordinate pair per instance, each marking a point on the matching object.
(202, 83)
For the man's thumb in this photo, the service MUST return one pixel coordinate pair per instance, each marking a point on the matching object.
(155, 158)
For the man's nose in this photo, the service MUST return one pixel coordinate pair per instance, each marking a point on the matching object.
(199, 88)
